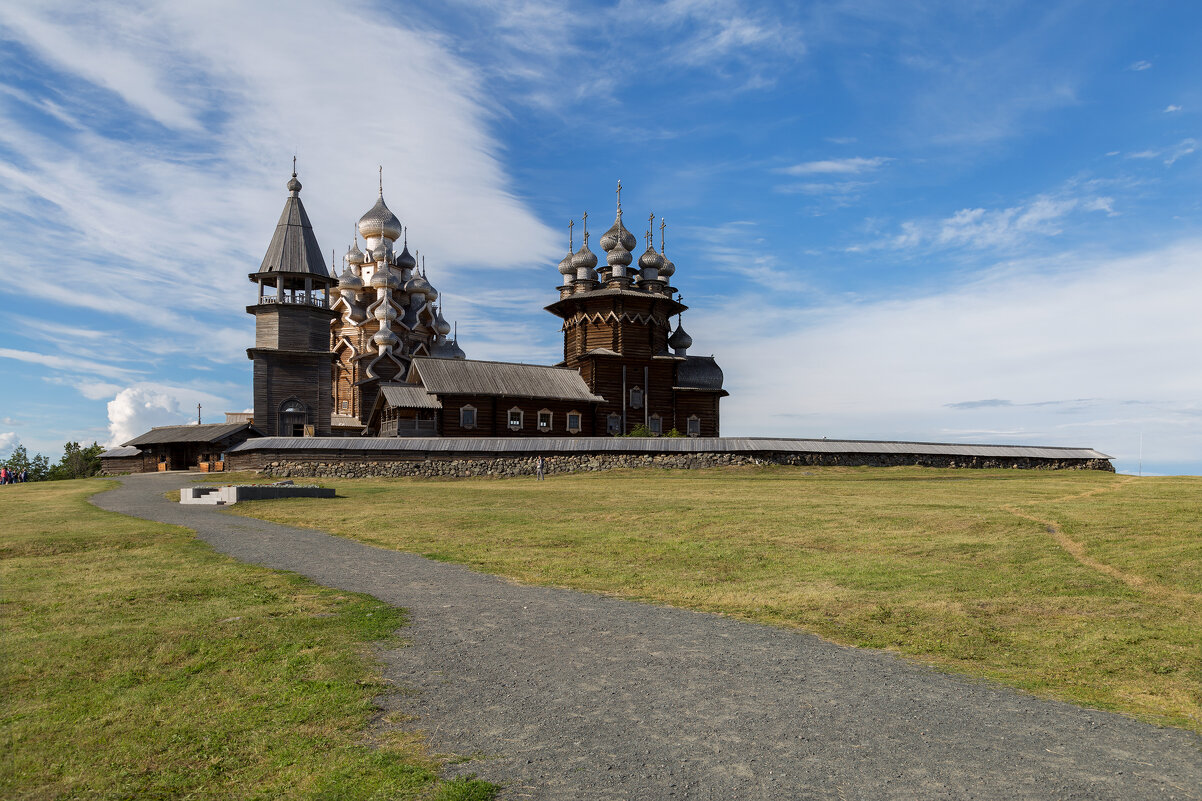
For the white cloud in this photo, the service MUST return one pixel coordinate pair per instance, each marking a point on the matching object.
(1140, 66)
(239, 87)
(1170, 108)
(138, 408)
(1029, 337)
(1169, 154)
(848, 166)
(8, 441)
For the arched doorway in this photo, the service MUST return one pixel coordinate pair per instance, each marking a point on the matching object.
(292, 419)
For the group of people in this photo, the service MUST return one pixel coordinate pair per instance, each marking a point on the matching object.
(12, 476)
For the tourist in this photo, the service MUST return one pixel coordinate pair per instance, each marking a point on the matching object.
(3, 475)
(540, 468)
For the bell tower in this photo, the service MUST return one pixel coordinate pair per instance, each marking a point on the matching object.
(292, 357)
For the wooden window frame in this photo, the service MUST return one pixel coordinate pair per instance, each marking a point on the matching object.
(656, 424)
(475, 416)
(521, 419)
(550, 420)
(579, 422)
(613, 417)
(636, 397)
(689, 426)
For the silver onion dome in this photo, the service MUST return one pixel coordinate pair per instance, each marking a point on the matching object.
(667, 269)
(354, 255)
(618, 235)
(294, 186)
(417, 285)
(384, 337)
(406, 261)
(680, 339)
(618, 257)
(456, 351)
(584, 259)
(650, 260)
(385, 278)
(348, 280)
(441, 326)
(379, 221)
(565, 265)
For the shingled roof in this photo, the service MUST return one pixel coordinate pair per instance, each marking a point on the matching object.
(468, 377)
(294, 247)
(212, 432)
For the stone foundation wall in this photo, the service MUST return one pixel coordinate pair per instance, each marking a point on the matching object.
(283, 464)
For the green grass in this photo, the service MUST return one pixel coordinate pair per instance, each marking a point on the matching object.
(1094, 596)
(138, 663)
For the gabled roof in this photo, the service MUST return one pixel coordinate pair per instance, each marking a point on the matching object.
(212, 432)
(120, 452)
(294, 247)
(468, 377)
(408, 396)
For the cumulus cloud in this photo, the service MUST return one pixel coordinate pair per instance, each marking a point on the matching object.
(1106, 333)
(139, 408)
(8, 441)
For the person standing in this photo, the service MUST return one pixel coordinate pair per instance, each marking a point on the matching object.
(541, 466)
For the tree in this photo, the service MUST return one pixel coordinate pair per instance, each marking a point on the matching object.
(19, 460)
(77, 462)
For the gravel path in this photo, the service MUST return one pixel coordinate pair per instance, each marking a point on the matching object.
(560, 694)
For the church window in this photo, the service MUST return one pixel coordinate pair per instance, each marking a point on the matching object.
(544, 420)
(636, 398)
(613, 424)
(574, 422)
(467, 416)
(694, 426)
(516, 417)
(656, 424)
(345, 404)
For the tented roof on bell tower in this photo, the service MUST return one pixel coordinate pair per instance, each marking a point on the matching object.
(294, 247)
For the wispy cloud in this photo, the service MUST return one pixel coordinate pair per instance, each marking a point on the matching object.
(1169, 154)
(847, 166)
(1170, 108)
(1140, 66)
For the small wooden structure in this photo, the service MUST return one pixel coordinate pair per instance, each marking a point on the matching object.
(190, 447)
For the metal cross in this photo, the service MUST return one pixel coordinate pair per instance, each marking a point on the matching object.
(571, 240)
(381, 180)
(619, 191)
(662, 226)
(651, 230)
(294, 166)
(585, 218)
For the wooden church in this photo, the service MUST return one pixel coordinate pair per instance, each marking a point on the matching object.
(369, 352)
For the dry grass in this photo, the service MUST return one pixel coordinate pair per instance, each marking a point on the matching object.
(138, 663)
(1083, 586)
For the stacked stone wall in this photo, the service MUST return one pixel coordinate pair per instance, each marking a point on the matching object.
(286, 464)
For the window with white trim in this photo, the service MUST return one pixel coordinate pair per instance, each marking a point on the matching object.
(613, 424)
(694, 426)
(467, 416)
(574, 422)
(516, 417)
(544, 419)
(656, 424)
(636, 398)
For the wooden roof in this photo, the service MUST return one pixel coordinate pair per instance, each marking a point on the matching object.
(120, 452)
(293, 247)
(212, 432)
(407, 396)
(468, 377)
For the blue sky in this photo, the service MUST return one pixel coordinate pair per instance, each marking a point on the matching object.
(946, 221)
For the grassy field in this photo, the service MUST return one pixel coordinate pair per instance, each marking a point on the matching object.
(1083, 586)
(138, 663)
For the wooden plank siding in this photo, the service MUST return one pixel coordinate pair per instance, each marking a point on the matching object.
(492, 416)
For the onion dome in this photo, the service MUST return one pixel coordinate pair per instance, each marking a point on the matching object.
(385, 311)
(349, 281)
(667, 269)
(680, 339)
(456, 351)
(406, 261)
(384, 337)
(618, 235)
(379, 221)
(417, 285)
(441, 326)
(565, 266)
(382, 252)
(384, 278)
(650, 260)
(354, 255)
(294, 186)
(619, 257)
(584, 259)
